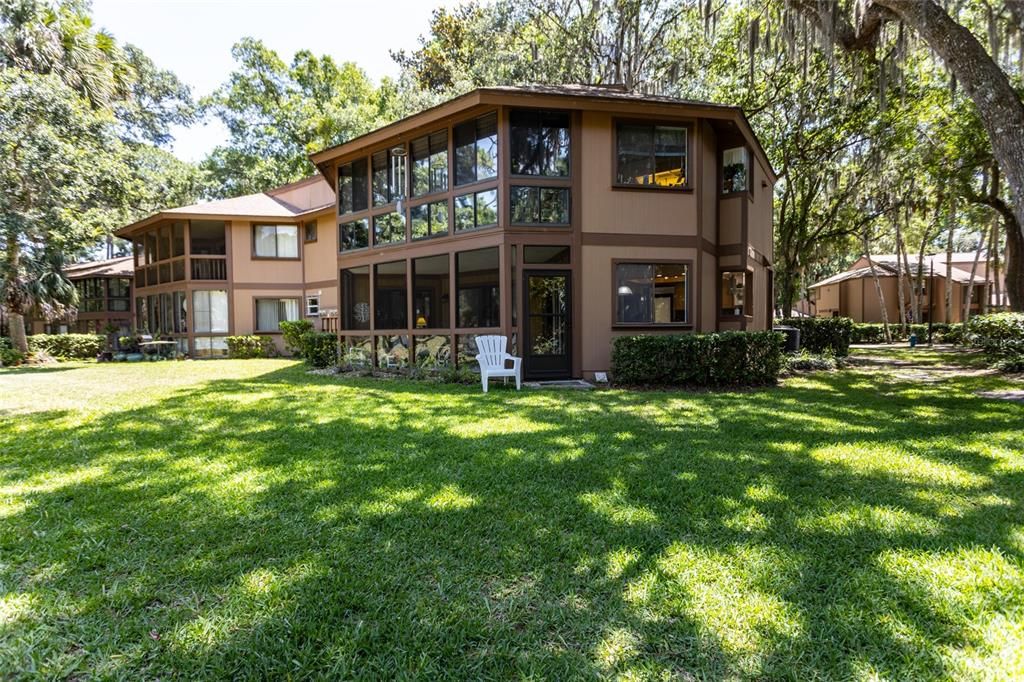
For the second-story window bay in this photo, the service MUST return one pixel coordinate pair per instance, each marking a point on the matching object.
(430, 164)
(476, 149)
(539, 143)
(651, 155)
(276, 241)
(352, 187)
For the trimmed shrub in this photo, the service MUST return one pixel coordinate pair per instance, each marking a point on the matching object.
(8, 356)
(873, 332)
(320, 349)
(822, 335)
(251, 346)
(999, 336)
(68, 346)
(723, 359)
(292, 333)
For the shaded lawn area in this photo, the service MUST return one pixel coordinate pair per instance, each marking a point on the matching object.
(246, 519)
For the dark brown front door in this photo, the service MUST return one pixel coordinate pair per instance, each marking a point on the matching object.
(547, 332)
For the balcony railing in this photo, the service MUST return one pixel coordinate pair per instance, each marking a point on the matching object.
(209, 268)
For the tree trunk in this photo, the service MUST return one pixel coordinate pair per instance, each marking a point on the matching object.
(878, 288)
(1014, 268)
(950, 226)
(900, 293)
(1000, 108)
(16, 322)
(970, 284)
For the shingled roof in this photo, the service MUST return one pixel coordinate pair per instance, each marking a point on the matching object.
(113, 267)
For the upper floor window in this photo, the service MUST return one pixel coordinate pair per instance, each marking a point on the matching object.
(430, 164)
(735, 170)
(276, 241)
(650, 293)
(207, 238)
(429, 220)
(476, 149)
(352, 187)
(354, 235)
(381, 182)
(309, 231)
(540, 143)
(388, 228)
(539, 206)
(478, 209)
(650, 155)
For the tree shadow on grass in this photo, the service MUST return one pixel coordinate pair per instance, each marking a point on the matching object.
(292, 524)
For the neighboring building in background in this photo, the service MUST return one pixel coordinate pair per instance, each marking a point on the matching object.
(104, 300)
(559, 216)
(852, 293)
(237, 266)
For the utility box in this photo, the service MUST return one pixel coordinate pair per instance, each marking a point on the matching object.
(792, 338)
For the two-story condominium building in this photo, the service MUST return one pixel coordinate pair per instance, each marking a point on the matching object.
(237, 266)
(561, 217)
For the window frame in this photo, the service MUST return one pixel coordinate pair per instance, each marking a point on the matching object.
(540, 203)
(748, 291)
(298, 244)
(256, 312)
(687, 263)
(341, 228)
(309, 311)
(430, 219)
(365, 161)
(685, 124)
(525, 178)
(453, 226)
(749, 191)
(413, 158)
(305, 231)
(453, 161)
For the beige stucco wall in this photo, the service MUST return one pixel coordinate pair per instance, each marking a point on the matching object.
(760, 215)
(730, 220)
(627, 211)
(247, 269)
(598, 306)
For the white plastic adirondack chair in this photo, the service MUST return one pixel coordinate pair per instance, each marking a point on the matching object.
(492, 359)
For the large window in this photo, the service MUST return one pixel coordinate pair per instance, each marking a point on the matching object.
(477, 281)
(476, 149)
(540, 143)
(430, 164)
(92, 295)
(430, 290)
(650, 293)
(388, 228)
(210, 311)
(177, 239)
(355, 298)
(271, 312)
(354, 235)
(276, 241)
(476, 210)
(429, 220)
(735, 170)
(207, 238)
(651, 155)
(540, 206)
(734, 294)
(352, 187)
(119, 292)
(389, 295)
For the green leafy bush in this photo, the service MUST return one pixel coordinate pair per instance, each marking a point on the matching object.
(68, 346)
(320, 349)
(251, 346)
(8, 356)
(292, 333)
(999, 336)
(873, 332)
(723, 359)
(823, 334)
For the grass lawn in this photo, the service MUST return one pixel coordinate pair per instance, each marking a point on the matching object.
(246, 519)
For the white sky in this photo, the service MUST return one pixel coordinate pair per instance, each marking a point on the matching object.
(193, 38)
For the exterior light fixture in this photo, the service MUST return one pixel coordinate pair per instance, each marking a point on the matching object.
(625, 291)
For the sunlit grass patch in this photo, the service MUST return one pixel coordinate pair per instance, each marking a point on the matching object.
(244, 519)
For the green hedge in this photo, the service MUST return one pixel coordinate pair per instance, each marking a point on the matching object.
(823, 334)
(68, 346)
(942, 332)
(723, 359)
(8, 356)
(292, 333)
(1000, 335)
(319, 349)
(252, 346)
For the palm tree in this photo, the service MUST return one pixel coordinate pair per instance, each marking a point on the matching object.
(34, 283)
